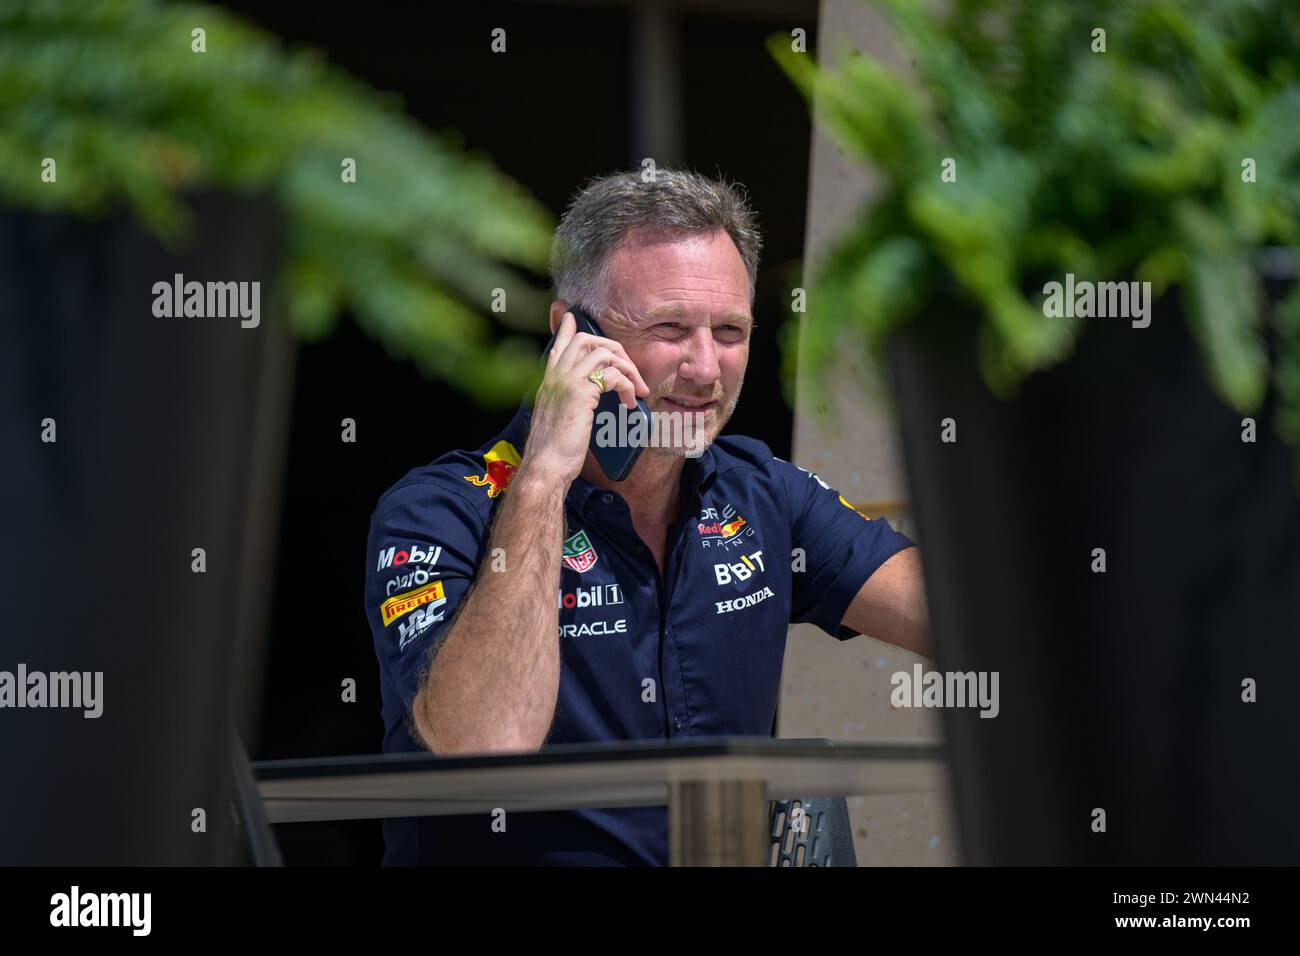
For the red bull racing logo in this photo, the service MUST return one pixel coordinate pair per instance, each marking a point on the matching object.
(721, 530)
(501, 462)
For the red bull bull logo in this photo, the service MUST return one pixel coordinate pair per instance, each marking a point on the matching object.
(732, 527)
(500, 463)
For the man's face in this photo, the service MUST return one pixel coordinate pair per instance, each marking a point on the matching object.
(679, 304)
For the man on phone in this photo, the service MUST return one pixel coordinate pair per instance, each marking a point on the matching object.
(519, 597)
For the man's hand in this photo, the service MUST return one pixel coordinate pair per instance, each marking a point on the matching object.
(560, 430)
(891, 605)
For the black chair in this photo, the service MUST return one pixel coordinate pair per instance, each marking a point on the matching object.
(822, 836)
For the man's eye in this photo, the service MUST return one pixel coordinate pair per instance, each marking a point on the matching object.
(671, 326)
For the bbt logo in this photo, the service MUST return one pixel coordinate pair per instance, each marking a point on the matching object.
(743, 570)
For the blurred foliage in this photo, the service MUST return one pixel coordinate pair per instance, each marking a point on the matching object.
(112, 90)
(1116, 165)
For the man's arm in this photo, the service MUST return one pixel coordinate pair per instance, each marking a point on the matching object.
(494, 679)
(493, 683)
(891, 605)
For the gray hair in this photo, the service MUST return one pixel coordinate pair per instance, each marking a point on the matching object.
(602, 214)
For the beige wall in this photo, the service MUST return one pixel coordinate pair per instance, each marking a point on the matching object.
(840, 689)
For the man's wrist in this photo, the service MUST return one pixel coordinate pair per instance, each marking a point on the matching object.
(539, 481)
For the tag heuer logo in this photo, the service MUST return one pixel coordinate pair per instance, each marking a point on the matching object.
(578, 553)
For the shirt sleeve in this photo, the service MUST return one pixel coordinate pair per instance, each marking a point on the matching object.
(839, 548)
(423, 552)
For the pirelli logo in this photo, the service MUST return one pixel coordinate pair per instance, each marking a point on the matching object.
(400, 604)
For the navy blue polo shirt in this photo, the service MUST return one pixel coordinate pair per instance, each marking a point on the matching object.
(760, 543)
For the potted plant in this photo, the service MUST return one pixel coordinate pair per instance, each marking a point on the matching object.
(1107, 504)
(138, 141)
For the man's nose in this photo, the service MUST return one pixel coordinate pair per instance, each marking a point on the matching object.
(699, 361)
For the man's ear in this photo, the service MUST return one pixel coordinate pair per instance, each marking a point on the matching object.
(558, 308)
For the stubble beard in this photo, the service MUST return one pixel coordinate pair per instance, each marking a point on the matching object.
(705, 439)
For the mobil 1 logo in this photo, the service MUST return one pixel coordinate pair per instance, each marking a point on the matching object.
(414, 566)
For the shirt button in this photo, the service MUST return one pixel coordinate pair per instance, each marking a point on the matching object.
(607, 498)
(678, 723)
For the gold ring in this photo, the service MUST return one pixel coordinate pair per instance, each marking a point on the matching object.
(598, 377)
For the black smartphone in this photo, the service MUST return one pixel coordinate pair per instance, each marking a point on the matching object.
(613, 423)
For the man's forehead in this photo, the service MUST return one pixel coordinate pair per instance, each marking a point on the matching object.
(667, 250)
(654, 274)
